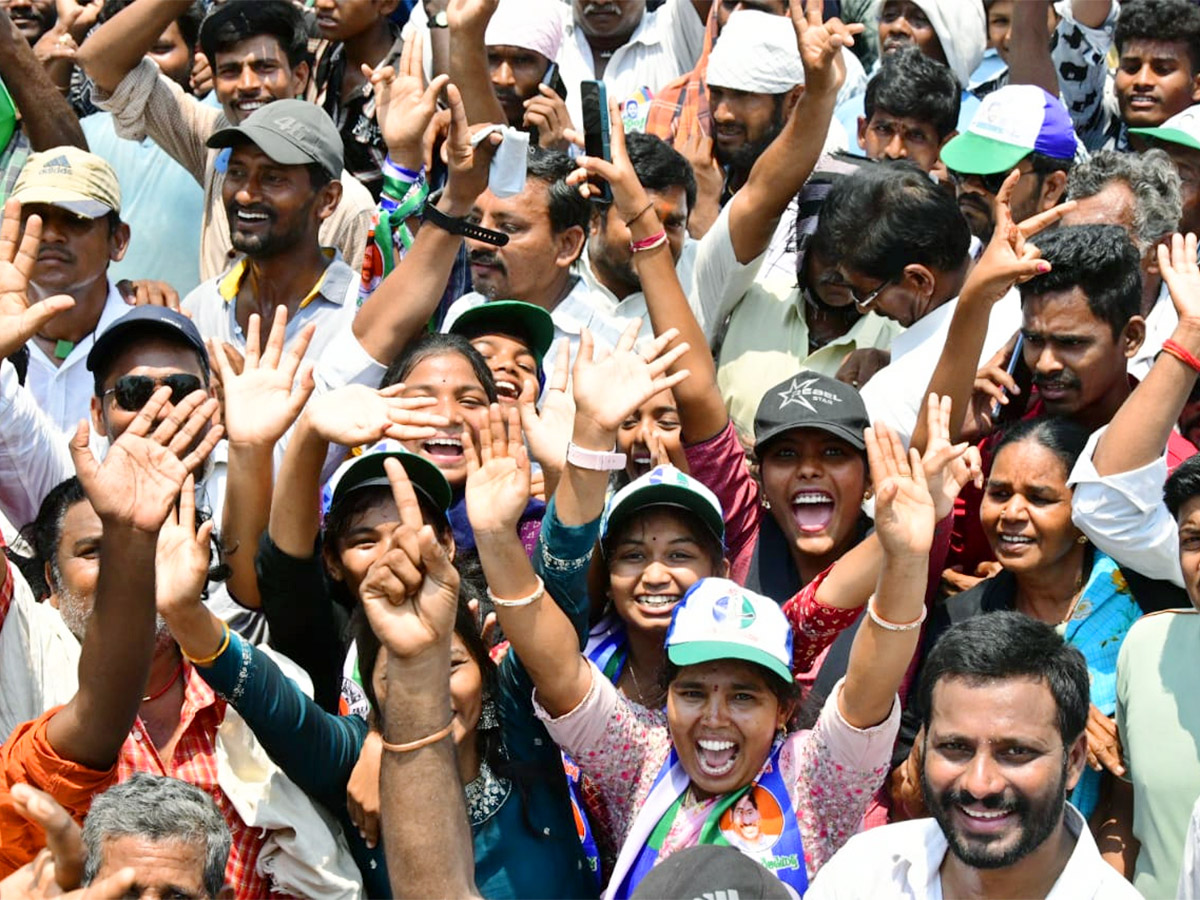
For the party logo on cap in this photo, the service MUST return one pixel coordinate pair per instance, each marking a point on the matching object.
(734, 609)
(802, 393)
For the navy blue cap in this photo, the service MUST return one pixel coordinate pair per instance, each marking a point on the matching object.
(156, 321)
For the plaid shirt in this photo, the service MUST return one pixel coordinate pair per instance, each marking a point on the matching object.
(195, 761)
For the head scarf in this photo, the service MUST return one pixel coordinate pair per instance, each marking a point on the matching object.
(535, 25)
(961, 28)
(757, 53)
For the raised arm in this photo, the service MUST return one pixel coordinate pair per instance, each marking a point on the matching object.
(468, 20)
(1029, 59)
(113, 49)
(46, 116)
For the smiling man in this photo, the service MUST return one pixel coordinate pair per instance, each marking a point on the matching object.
(1004, 704)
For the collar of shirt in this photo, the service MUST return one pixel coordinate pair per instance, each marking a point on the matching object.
(332, 286)
(923, 329)
(114, 307)
(646, 34)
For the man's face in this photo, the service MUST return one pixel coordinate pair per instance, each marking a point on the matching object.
(270, 207)
(173, 55)
(516, 73)
(76, 568)
(1187, 163)
(1154, 81)
(899, 137)
(743, 125)
(150, 356)
(608, 247)
(608, 18)
(1029, 196)
(165, 868)
(75, 251)
(1076, 362)
(901, 23)
(254, 72)
(338, 20)
(530, 266)
(1189, 548)
(33, 18)
(726, 8)
(995, 772)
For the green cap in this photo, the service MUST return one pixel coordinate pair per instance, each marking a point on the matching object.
(524, 322)
(367, 471)
(1182, 128)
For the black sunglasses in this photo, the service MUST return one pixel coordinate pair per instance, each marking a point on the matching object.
(991, 183)
(132, 392)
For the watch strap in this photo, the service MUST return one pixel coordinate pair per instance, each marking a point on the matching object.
(435, 216)
(595, 460)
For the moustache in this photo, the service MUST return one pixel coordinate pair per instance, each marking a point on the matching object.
(484, 258)
(1061, 381)
(593, 9)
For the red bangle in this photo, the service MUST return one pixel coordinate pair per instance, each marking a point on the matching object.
(648, 243)
(1181, 354)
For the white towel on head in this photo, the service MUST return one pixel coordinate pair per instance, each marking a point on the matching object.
(757, 53)
(535, 25)
(961, 27)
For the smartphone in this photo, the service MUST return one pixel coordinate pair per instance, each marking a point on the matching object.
(1014, 362)
(593, 96)
(553, 80)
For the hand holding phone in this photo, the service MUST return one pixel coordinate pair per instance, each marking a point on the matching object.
(593, 96)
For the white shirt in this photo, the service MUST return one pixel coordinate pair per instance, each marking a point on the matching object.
(1160, 324)
(633, 306)
(904, 860)
(896, 393)
(64, 392)
(1189, 875)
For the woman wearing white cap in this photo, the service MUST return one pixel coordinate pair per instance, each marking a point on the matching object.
(667, 778)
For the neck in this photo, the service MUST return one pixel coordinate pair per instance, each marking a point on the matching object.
(368, 47)
(619, 287)
(809, 566)
(168, 705)
(80, 320)
(828, 323)
(1101, 413)
(610, 43)
(949, 285)
(468, 758)
(1032, 876)
(1151, 286)
(645, 660)
(554, 293)
(281, 280)
(1046, 594)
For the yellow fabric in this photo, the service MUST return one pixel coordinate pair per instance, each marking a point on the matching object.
(231, 283)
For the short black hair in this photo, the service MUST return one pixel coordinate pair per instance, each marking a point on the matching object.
(890, 215)
(568, 208)
(1101, 261)
(1006, 645)
(1062, 437)
(317, 176)
(238, 20)
(1182, 485)
(438, 344)
(659, 166)
(911, 85)
(189, 20)
(1161, 20)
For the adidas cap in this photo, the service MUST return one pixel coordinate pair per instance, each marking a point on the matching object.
(70, 178)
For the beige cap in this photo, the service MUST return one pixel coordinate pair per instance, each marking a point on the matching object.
(71, 178)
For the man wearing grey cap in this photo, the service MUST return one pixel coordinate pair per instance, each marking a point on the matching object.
(280, 186)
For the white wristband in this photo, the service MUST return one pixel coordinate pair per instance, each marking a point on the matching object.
(595, 460)
(894, 626)
(524, 601)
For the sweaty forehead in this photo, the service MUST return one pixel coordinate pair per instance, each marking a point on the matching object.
(1113, 205)
(1059, 311)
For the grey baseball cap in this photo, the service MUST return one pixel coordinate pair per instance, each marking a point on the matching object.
(291, 132)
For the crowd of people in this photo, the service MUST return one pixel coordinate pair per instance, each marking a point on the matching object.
(402, 496)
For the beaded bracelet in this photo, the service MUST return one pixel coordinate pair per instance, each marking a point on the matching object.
(648, 243)
(209, 660)
(422, 742)
(524, 601)
(894, 626)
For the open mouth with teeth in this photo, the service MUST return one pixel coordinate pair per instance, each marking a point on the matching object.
(246, 107)
(507, 390)
(716, 758)
(812, 511)
(987, 820)
(443, 450)
(641, 459)
(656, 604)
(1014, 542)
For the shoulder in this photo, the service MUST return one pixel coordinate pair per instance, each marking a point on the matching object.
(1149, 633)
(884, 848)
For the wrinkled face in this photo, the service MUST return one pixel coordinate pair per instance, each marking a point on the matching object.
(150, 356)
(77, 565)
(723, 717)
(338, 20)
(1154, 81)
(449, 379)
(823, 279)
(608, 248)
(254, 72)
(516, 74)
(1075, 360)
(173, 56)
(815, 483)
(743, 124)
(75, 251)
(169, 868)
(658, 416)
(608, 18)
(651, 564)
(1189, 548)
(726, 8)
(511, 362)
(271, 208)
(995, 771)
(902, 23)
(1026, 508)
(528, 267)
(33, 18)
(899, 137)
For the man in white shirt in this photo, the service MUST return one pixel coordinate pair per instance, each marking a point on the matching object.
(1004, 705)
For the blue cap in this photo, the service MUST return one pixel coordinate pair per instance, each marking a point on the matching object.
(154, 321)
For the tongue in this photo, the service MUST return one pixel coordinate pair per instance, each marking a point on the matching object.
(717, 759)
(812, 516)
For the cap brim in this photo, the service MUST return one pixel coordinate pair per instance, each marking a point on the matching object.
(513, 319)
(1171, 135)
(368, 471)
(693, 653)
(856, 439)
(666, 495)
(278, 148)
(79, 204)
(973, 154)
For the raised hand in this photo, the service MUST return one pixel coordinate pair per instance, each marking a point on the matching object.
(181, 560)
(548, 113)
(948, 467)
(404, 106)
(470, 15)
(1182, 275)
(410, 593)
(356, 414)
(820, 44)
(142, 474)
(610, 387)
(994, 385)
(629, 197)
(498, 479)
(147, 292)
(20, 320)
(697, 148)
(548, 429)
(904, 511)
(468, 163)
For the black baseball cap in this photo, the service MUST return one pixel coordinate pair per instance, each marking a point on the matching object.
(291, 132)
(709, 871)
(367, 471)
(154, 321)
(809, 400)
(521, 321)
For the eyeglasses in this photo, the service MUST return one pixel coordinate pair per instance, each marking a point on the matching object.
(132, 392)
(864, 304)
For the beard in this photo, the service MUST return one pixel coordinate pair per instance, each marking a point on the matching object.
(739, 162)
(1037, 819)
(76, 612)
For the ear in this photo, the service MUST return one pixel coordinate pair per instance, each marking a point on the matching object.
(118, 242)
(786, 711)
(1132, 336)
(792, 98)
(920, 279)
(387, 7)
(98, 422)
(1196, 87)
(1054, 186)
(327, 199)
(300, 79)
(1151, 263)
(724, 569)
(953, 134)
(568, 246)
(599, 220)
(862, 132)
(332, 563)
(53, 598)
(1076, 760)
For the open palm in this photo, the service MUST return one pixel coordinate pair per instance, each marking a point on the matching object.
(609, 389)
(20, 320)
(904, 510)
(498, 475)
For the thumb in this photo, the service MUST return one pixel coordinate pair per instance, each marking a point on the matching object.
(63, 836)
(42, 312)
(81, 454)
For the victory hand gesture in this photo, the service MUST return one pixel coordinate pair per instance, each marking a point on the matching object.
(820, 44)
(497, 474)
(20, 319)
(904, 512)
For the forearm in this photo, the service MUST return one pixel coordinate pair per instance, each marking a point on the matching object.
(245, 517)
(853, 577)
(1113, 826)
(879, 656)
(115, 660)
(469, 70)
(426, 856)
(199, 633)
(119, 44)
(581, 492)
(295, 513)
(1140, 429)
(1091, 13)
(46, 116)
(1029, 48)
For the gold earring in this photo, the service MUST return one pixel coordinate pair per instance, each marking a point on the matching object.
(1082, 539)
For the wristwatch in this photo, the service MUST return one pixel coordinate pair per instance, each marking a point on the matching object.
(462, 227)
(594, 460)
(440, 20)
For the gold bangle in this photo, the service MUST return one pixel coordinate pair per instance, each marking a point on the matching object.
(422, 742)
(209, 660)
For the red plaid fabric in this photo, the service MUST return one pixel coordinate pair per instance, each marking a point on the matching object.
(195, 761)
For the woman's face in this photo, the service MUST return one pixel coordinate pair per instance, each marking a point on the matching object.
(658, 416)
(511, 364)
(451, 381)
(723, 718)
(1026, 509)
(815, 484)
(652, 563)
(466, 688)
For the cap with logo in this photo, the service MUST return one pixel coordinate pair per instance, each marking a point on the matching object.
(710, 872)
(290, 132)
(524, 322)
(809, 400)
(72, 179)
(1011, 123)
(1182, 128)
(367, 471)
(719, 619)
(664, 486)
(151, 321)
